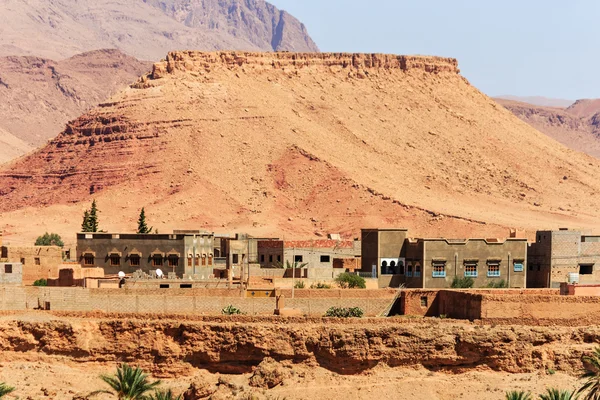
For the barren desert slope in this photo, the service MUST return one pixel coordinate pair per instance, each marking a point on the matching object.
(292, 144)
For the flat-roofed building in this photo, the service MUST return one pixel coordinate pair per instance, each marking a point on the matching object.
(557, 255)
(398, 260)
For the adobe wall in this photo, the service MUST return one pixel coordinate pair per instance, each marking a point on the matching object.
(539, 307)
(39, 262)
(186, 301)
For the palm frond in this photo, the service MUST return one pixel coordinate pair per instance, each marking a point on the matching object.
(5, 389)
(130, 383)
(518, 395)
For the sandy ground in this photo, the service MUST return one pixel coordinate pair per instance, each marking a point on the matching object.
(50, 377)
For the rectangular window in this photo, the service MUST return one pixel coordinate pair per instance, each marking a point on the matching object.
(115, 261)
(325, 259)
(164, 286)
(37, 261)
(88, 260)
(185, 286)
(134, 261)
(210, 261)
(424, 301)
(197, 261)
(539, 267)
(278, 258)
(531, 267)
(262, 258)
(493, 270)
(190, 261)
(203, 260)
(418, 271)
(236, 258)
(518, 266)
(586, 269)
(8, 269)
(298, 259)
(471, 269)
(439, 269)
(173, 261)
(270, 258)
(157, 261)
(23, 261)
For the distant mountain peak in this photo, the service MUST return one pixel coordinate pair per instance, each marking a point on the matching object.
(147, 29)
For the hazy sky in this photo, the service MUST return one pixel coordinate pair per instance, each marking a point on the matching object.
(520, 47)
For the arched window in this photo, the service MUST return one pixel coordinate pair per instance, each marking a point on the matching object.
(392, 269)
(384, 268)
(409, 271)
(418, 271)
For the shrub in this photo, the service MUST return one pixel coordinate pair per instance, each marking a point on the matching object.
(231, 310)
(501, 284)
(300, 285)
(462, 283)
(340, 312)
(518, 395)
(320, 285)
(49, 239)
(40, 282)
(350, 281)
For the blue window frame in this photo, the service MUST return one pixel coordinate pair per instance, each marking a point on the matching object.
(409, 271)
(493, 270)
(471, 269)
(439, 269)
(417, 271)
(518, 266)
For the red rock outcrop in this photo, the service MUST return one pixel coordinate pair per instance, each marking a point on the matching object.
(175, 348)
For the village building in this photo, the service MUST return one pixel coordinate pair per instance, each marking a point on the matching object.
(38, 262)
(559, 256)
(322, 259)
(187, 254)
(395, 259)
(11, 274)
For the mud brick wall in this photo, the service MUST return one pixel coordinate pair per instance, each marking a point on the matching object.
(539, 307)
(186, 301)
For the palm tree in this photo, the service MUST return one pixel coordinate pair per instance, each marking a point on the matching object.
(128, 383)
(518, 395)
(164, 395)
(591, 376)
(5, 389)
(555, 394)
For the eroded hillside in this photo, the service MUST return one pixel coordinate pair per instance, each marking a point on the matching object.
(302, 144)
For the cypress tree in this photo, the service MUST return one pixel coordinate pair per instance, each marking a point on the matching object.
(142, 226)
(85, 225)
(93, 219)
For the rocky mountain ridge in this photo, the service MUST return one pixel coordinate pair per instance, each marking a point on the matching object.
(303, 144)
(146, 29)
(41, 95)
(577, 126)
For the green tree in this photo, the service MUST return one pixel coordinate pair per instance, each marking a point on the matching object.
(518, 395)
(40, 282)
(555, 394)
(49, 239)
(5, 389)
(142, 226)
(164, 395)
(94, 217)
(129, 383)
(289, 265)
(90, 219)
(591, 387)
(85, 225)
(350, 281)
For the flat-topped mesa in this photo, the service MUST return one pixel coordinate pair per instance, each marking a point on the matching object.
(184, 61)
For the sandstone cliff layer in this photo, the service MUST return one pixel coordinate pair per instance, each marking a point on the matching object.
(172, 348)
